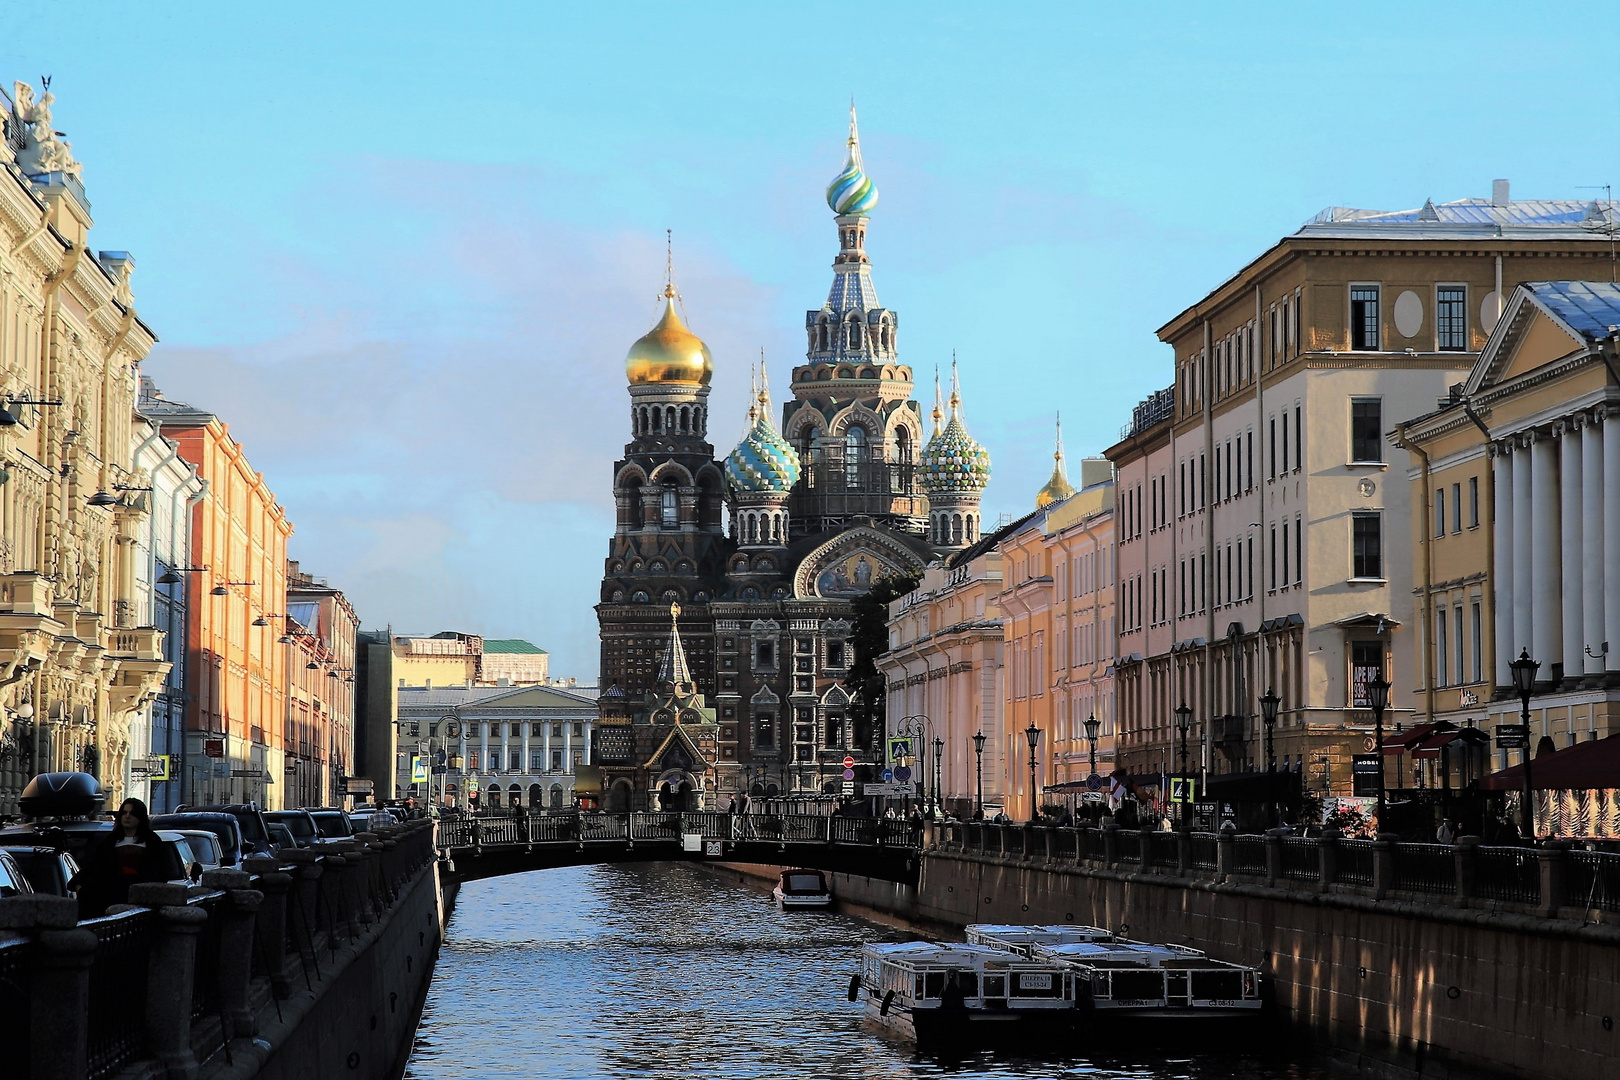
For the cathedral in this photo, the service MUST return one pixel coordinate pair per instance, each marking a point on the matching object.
(728, 590)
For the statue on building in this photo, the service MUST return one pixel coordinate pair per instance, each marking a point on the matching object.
(44, 151)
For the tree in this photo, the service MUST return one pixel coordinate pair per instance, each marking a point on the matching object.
(870, 636)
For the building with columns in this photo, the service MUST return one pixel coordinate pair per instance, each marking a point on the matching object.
(1262, 540)
(1517, 546)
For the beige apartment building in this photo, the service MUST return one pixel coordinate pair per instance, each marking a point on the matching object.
(1263, 542)
(1517, 545)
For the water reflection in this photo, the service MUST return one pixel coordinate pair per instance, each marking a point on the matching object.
(666, 971)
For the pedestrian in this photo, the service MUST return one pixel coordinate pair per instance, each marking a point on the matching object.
(132, 853)
(1447, 832)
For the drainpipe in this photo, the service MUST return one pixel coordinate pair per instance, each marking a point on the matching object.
(1426, 541)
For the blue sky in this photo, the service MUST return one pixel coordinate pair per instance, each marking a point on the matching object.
(403, 247)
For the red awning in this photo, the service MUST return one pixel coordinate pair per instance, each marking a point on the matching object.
(1400, 742)
(1587, 766)
(1431, 747)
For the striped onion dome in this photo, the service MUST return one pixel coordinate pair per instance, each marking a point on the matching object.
(852, 192)
(763, 462)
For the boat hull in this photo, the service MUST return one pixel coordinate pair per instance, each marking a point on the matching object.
(943, 1029)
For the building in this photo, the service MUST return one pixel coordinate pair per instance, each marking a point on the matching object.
(376, 730)
(237, 682)
(502, 746)
(1516, 546)
(158, 735)
(78, 664)
(1262, 543)
(321, 632)
(515, 662)
(843, 495)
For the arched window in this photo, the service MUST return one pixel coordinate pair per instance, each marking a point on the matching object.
(854, 334)
(657, 415)
(669, 419)
(670, 509)
(855, 447)
(686, 418)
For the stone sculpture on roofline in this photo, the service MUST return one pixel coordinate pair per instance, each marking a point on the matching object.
(44, 151)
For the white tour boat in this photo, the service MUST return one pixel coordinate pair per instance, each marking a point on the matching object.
(1023, 939)
(1124, 980)
(803, 888)
(966, 995)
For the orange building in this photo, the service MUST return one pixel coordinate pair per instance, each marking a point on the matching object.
(236, 683)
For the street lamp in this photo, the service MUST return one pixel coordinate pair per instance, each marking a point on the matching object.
(1524, 681)
(918, 727)
(1093, 727)
(939, 753)
(1183, 722)
(1378, 698)
(1269, 703)
(1033, 734)
(978, 749)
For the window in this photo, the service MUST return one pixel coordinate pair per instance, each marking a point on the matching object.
(765, 730)
(537, 761)
(517, 761)
(1440, 649)
(1458, 641)
(556, 731)
(556, 761)
(579, 731)
(1473, 502)
(1285, 440)
(1450, 318)
(1439, 512)
(1285, 554)
(1474, 621)
(854, 456)
(1367, 545)
(1273, 574)
(1364, 318)
(669, 508)
(1299, 439)
(765, 654)
(1366, 664)
(1366, 429)
(835, 731)
(1272, 466)
(1299, 549)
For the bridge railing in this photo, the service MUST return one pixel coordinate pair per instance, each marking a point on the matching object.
(507, 829)
(155, 985)
(1547, 879)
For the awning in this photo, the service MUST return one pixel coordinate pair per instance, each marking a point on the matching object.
(1587, 766)
(1434, 744)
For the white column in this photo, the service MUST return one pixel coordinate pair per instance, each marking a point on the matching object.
(1592, 574)
(1501, 459)
(483, 747)
(1572, 554)
(1546, 626)
(524, 728)
(1611, 539)
(1523, 586)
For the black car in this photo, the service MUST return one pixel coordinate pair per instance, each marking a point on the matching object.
(225, 826)
(297, 822)
(333, 824)
(13, 882)
(48, 869)
(250, 823)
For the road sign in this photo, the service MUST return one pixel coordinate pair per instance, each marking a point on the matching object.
(902, 773)
(256, 774)
(849, 774)
(849, 762)
(1094, 782)
(888, 774)
(899, 749)
(1512, 736)
(1204, 808)
(152, 768)
(359, 786)
(419, 773)
(1182, 788)
(893, 791)
(849, 787)
(213, 747)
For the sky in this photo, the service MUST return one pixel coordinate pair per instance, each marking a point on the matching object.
(402, 248)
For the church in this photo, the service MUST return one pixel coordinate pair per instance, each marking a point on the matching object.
(728, 590)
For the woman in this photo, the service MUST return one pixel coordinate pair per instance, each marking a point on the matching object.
(132, 853)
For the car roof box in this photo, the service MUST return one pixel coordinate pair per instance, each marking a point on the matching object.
(63, 794)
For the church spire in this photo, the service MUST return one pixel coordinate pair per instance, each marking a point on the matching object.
(674, 669)
(939, 406)
(956, 390)
(1058, 487)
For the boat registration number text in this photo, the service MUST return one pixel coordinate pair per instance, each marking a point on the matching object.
(1035, 982)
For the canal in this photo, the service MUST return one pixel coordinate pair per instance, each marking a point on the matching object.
(663, 970)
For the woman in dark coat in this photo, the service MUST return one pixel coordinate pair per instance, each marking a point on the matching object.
(130, 854)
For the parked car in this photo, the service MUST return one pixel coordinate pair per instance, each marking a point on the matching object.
(182, 847)
(13, 882)
(222, 825)
(369, 818)
(333, 824)
(298, 823)
(73, 837)
(205, 846)
(281, 836)
(48, 869)
(250, 821)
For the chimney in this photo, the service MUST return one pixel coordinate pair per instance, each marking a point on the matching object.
(1499, 193)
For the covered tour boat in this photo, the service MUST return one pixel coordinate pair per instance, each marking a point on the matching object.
(803, 888)
(1023, 939)
(940, 995)
(1124, 980)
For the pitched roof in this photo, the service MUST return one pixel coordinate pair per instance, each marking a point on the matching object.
(511, 645)
(1595, 218)
(1591, 308)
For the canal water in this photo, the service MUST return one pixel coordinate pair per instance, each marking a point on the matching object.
(663, 970)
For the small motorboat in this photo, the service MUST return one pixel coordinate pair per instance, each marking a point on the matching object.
(1129, 980)
(1024, 939)
(946, 996)
(803, 888)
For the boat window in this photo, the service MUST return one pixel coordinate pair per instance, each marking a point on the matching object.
(805, 883)
(995, 986)
(934, 986)
(917, 990)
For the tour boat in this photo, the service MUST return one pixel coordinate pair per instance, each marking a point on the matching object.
(1132, 980)
(944, 995)
(803, 888)
(1023, 939)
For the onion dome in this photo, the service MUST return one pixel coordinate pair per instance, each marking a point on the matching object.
(763, 463)
(953, 462)
(669, 352)
(1058, 488)
(852, 193)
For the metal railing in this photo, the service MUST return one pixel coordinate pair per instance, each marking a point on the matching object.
(16, 962)
(1249, 854)
(1430, 869)
(1592, 881)
(1301, 859)
(670, 826)
(118, 981)
(1355, 863)
(1509, 874)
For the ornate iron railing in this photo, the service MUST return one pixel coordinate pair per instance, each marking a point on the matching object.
(118, 980)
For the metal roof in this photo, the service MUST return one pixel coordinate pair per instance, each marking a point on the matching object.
(1590, 307)
(511, 645)
(1593, 218)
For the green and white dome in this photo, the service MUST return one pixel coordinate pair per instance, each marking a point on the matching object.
(953, 461)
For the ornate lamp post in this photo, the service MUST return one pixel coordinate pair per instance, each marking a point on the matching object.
(1269, 703)
(1093, 727)
(918, 727)
(978, 750)
(1033, 734)
(939, 753)
(1524, 681)
(1378, 698)
(1183, 722)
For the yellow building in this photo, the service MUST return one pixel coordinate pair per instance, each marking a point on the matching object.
(74, 666)
(1516, 545)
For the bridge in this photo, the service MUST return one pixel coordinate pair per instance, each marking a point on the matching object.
(490, 845)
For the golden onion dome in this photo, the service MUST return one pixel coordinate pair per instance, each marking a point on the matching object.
(669, 352)
(1058, 487)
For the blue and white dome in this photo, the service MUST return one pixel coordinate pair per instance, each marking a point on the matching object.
(763, 463)
(852, 193)
(953, 462)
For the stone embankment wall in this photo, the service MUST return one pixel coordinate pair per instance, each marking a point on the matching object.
(1433, 989)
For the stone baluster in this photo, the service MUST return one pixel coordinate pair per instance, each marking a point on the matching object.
(1466, 852)
(1554, 861)
(1327, 855)
(270, 925)
(331, 891)
(59, 1034)
(240, 912)
(1110, 833)
(1225, 854)
(1274, 856)
(1144, 849)
(171, 974)
(1384, 864)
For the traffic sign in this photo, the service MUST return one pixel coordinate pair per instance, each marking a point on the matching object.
(849, 787)
(902, 773)
(1181, 789)
(1094, 782)
(849, 762)
(888, 774)
(419, 772)
(849, 774)
(899, 749)
(891, 790)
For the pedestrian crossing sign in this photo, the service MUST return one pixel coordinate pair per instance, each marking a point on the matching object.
(419, 768)
(899, 749)
(1182, 789)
